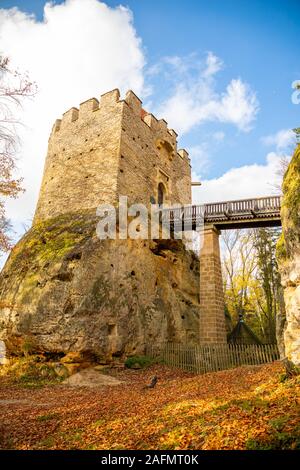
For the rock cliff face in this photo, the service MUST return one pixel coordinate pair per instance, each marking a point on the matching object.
(63, 290)
(288, 254)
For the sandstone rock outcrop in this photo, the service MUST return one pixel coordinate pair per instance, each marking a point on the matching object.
(64, 290)
(288, 254)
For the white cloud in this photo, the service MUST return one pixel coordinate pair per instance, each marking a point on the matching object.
(241, 183)
(213, 65)
(249, 181)
(200, 158)
(177, 67)
(195, 99)
(238, 105)
(81, 49)
(282, 140)
(219, 136)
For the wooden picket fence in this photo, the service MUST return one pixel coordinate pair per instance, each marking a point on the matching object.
(211, 358)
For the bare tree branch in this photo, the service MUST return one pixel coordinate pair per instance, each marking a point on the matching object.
(14, 87)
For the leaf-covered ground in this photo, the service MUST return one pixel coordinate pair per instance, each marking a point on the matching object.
(244, 408)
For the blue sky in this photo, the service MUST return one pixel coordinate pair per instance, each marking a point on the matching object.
(257, 41)
(253, 42)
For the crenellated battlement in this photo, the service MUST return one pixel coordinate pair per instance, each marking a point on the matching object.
(89, 106)
(113, 98)
(107, 147)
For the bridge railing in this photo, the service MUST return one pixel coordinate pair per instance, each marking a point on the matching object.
(186, 212)
(244, 206)
(253, 207)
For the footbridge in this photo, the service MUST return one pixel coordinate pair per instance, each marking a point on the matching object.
(243, 213)
(210, 219)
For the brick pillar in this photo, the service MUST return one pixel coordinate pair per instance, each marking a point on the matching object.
(212, 318)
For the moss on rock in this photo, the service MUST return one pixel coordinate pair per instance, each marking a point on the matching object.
(290, 210)
(72, 292)
(52, 239)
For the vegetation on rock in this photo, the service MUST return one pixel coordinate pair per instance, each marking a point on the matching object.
(290, 212)
(52, 239)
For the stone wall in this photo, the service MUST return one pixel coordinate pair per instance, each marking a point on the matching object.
(149, 156)
(82, 163)
(108, 149)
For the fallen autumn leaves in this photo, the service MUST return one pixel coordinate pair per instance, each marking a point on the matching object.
(243, 408)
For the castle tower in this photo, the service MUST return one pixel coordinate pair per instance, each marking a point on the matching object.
(64, 289)
(110, 148)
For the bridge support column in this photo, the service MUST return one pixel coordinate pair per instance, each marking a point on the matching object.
(212, 318)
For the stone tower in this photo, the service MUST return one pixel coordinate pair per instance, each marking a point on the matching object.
(110, 148)
(62, 288)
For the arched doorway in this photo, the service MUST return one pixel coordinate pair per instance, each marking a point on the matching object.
(161, 193)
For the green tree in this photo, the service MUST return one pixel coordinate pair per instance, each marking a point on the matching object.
(251, 279)
(265, 240)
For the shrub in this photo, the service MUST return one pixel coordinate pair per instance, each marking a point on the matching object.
(142, 361)
(29, 372)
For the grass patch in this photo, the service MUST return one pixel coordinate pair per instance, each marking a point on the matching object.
(98, 423)
(250, 405)
(46, 443)
(278, 423)
(47, 417)
(280, 441)
(73, 438)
